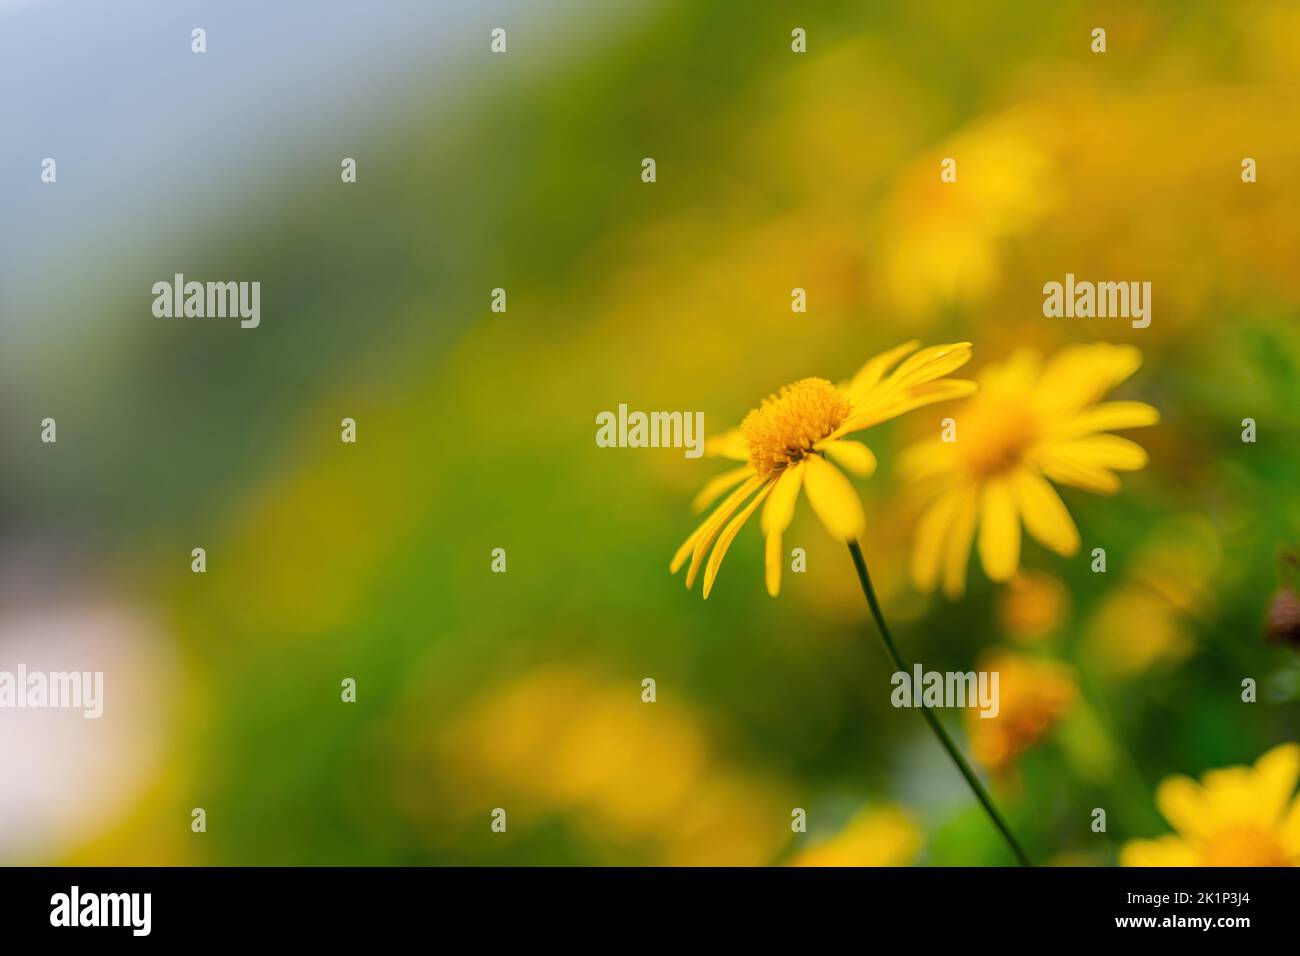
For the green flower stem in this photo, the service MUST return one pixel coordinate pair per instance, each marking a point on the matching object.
(901, 664)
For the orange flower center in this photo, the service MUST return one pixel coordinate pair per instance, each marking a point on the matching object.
(785, 427)
(1243, 845)
(993, 436)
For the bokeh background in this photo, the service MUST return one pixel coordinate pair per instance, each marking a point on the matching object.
(476, 430)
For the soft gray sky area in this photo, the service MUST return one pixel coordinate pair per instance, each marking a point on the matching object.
(151, 138)
(139, 124)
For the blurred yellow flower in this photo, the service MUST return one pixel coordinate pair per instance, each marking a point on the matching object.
(1134, 628)
(1033, 694)
(946, 242)
(1033, 606)
(1028, 424)
(876, 836)
(790, 441)
(570, 743)
(1144, 620)
(1240, 816)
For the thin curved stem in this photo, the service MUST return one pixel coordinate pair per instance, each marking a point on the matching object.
(901, 664)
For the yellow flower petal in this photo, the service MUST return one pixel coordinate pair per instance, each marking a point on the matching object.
(891, 404)
(699, 540)
(772, 559)
(1080, 375)
(688, 546)
(1108, 416)
(834, 500)
(1181, 801)
(1290, 831)
(729, 444)
(869, 376)
(1276, 773)
(1067, 470)
(717, 485)
(1104, 451)
(1166, 851)
(877, 836)
(926, 459)
(1014, 375)
(728, 535)
(999, 531)
(1231, 796)
(929, 364)
(853, 456)
(957, 554)
(779, 511)
(931, 533)
(1044, 514)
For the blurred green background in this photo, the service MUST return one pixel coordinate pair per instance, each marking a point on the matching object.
(476, 431)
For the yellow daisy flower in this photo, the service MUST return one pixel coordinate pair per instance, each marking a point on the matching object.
(1028, 424)
(790, 441)
(1241, 816)
(876, 836)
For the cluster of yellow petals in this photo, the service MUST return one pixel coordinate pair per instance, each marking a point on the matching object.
(1031, 426)
(795, 441)
(1239, 816)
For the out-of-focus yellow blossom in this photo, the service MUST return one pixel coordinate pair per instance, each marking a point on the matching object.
(565, 742)
(790, 441)
(1133, 628)
(1032, 606)
(1144, 621)
(1033, 694)
(1240, 816)
(1028, 424)
(876, 836)
(945, 238)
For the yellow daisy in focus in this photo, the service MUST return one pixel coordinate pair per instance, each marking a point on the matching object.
(795, 439)
(1029, 426)
(1241, 816)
